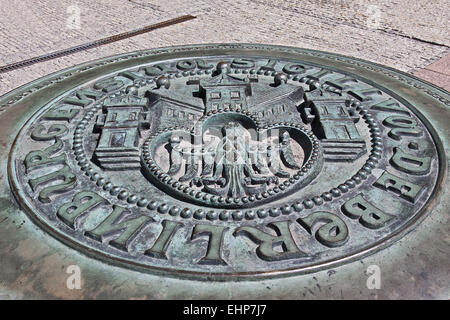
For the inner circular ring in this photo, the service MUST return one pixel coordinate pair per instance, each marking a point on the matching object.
(309, 169)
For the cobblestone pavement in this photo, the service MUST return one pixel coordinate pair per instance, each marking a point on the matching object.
(409, 35)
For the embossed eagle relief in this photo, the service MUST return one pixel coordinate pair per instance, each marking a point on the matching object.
(226, 138)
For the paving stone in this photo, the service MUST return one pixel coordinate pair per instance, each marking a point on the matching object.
(406, 35)
(441, 65)
(439, 79)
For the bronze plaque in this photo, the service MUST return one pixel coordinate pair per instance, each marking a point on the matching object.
(226, 162)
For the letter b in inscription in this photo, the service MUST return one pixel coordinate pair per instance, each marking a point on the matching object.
(81, 203)
(369, 215)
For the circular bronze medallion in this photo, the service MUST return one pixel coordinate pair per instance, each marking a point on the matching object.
(225, 161)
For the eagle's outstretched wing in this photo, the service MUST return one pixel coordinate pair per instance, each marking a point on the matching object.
(193, 155)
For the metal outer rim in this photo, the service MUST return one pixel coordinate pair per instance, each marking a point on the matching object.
(375, 247)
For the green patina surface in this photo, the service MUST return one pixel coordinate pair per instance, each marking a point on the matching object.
(330, 157)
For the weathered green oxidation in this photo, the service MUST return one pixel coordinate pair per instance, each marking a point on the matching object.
(229, 166)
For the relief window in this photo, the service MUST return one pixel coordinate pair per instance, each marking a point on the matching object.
(118, 139)
(235, 95)
(113, 117)
(215, 95)
(132, 116)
